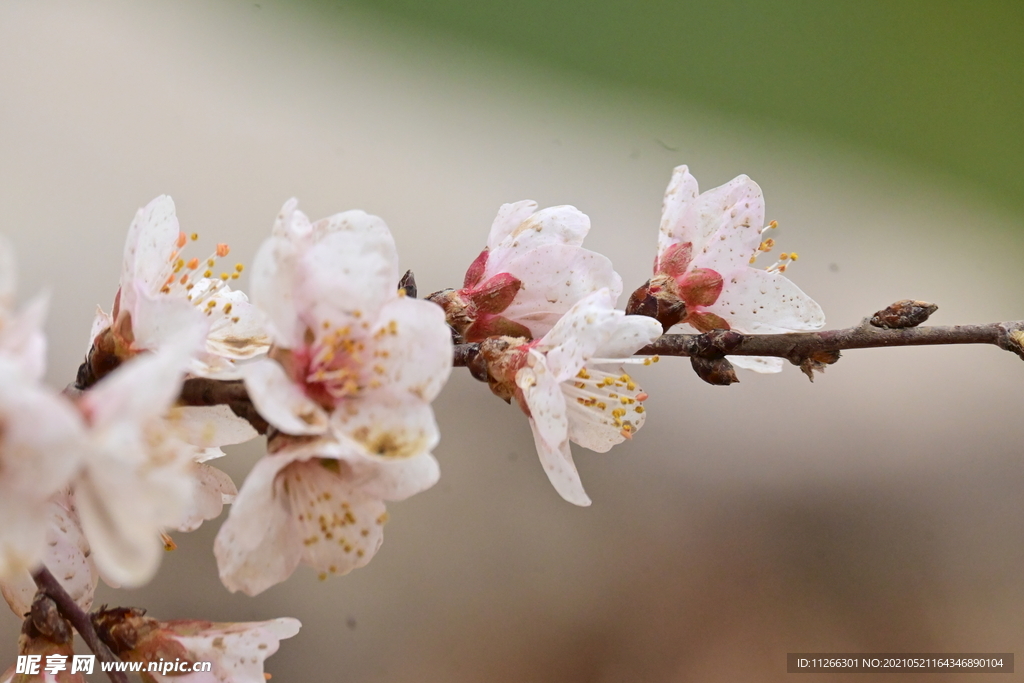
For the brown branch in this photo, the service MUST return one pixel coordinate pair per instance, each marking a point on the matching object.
(797, 346)
(812, 351)
(79, 618)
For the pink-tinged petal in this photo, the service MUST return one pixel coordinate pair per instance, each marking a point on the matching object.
(395, 479)
(632, 332)
(762, 364)
(156, 320)
(494, 295)
(144, 387)
(561, 470)
(756, 301)
(412, 348)
(700, 287)
(66, 556)
(679, 197)
(280, 401)
(674, 260)
(579, 333)
(544, 398)
(347, 277)
(556, 276)
(214, 489)
(554, 225)
(257, 546)
(509, 217)
(210, 426)
(728, 222)
(388, 428)
(340, 527)
(273, 287)
(475, 272)
(147, 251)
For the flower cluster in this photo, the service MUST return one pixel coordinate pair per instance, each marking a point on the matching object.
(337, 364)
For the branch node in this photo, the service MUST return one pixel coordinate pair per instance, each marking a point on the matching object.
(716, 371)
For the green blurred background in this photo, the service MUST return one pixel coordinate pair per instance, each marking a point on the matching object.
(938, 83)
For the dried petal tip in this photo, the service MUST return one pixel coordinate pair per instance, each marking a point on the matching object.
(817, 361)
(902, 314)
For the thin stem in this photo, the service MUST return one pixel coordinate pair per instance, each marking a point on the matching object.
(79, 618)
(795, 346)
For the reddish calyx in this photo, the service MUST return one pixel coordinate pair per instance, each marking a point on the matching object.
(475, 310)
(677, 293)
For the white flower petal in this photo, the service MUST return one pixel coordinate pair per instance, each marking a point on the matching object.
(257, 546)
(509, 217)
(8, 274)
(368, 225)
(394, 479)
(724, 225)
(412, 346)
(122, 515)
(632, 332)
(40, 441)
(273, 286)
(209, 426)
(280, 401)
(544, 398)
(22, 536)
(291, 222)
(347, 276)
(237, 328)
(213, 490)
(389, 428)
(601, 407)
(679, 197)
(756, 301)
(762, 364)
(561, 470)
(159, 319)
(579, 333)
(151, 239)
(144, 387)
(22, 336)
(554, 277)
(553, 225)
(340, 526)
(66, 555)
(237, 651)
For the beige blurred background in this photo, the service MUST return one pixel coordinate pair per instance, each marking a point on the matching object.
(877, 510)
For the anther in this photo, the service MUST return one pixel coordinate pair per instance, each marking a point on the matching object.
(181, 240)
(195, 236)
(222, 250)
